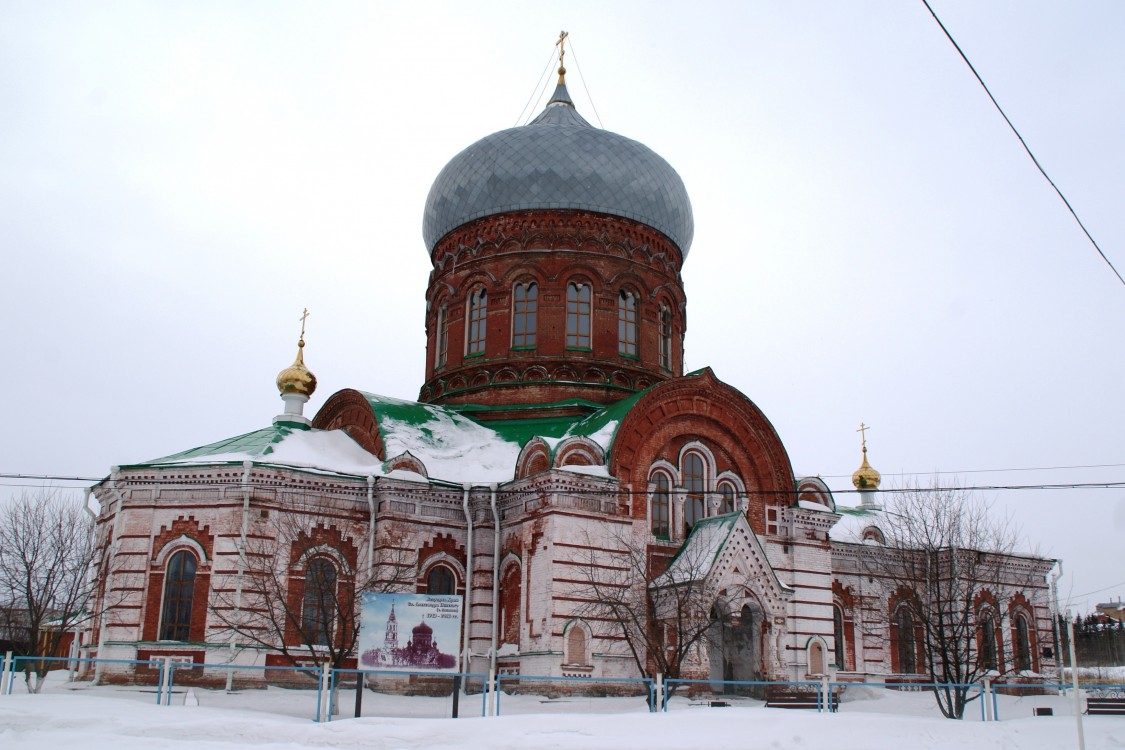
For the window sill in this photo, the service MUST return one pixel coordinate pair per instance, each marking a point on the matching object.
(579, 349)
(474, 355)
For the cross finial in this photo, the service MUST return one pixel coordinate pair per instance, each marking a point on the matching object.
(562, 52)
(863, 434)
(304, 316)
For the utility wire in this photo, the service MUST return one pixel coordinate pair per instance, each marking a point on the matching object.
(528, 108)
(584, 86)
(981, 471)
(1023, 142)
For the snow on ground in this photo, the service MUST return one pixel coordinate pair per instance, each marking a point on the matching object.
(123, 718)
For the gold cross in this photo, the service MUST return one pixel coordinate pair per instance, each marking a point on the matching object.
(863, 434)
(304, 315)
(562, 50)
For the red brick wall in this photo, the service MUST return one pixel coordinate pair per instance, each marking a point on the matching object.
(551, 248)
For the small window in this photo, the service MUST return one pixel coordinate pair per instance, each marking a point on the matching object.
(440, 580)
(838, 635)
(695, 482)
(627, 324)
(478, 318)
(988, 656)
(1023, 644)
(907, 649)
(318, 613)
(441, 352)
(665, 338)
(578, 316)
(661, 513)
(179, 595)
(726, 498)
(525, 313)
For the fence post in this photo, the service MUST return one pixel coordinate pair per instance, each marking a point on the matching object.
(493, 692)
(1074, 682)
(658, 693)
(826, 692)
(7, 675)
(324, 694)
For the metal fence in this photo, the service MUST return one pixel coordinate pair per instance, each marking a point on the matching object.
(322, 694)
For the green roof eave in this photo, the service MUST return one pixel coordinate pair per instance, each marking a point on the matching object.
(252, 444)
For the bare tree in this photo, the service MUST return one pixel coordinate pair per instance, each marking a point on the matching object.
(300, 581)
(658, 604)
(46, 548)
(946, 553)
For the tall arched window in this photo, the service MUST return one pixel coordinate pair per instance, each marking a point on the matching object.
(726, 498)
(525, 314)
(695, 484)
(661, 512)
(578, 316)
(838, 635)
(441, 350)
(441, 580)
(665, 338)
(318, 608)
(987, 648)
(510, 602)
(1022, 644)
(478, 318)
(627, 324)
(179, 595)
(906, 646)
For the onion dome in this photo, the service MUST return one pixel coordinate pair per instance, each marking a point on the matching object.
(865, 477)
(296, 378)
(559, 161)
(422, 629)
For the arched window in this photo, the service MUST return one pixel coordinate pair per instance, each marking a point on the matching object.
(441, 351)
(510, 596)
(1022, 644)
(318, 609)
(906, 646)
(838, 636)
(661, 512)
(665, 338)
(525, 314)
(987, 651)
(726, 498)
(576, 646)
(441, 580)
(179, 595)
(627, 324)
(478, 314)
(695, 483)
(578, 315)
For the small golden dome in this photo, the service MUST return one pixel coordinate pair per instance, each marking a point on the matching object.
(865, 477)
(296, 378)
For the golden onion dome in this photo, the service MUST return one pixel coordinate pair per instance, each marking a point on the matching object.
(865, 477)
(296, 378)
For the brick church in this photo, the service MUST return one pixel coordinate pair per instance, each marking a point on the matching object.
(555, 433)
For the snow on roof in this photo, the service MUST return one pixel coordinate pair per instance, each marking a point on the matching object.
(853, 522)
(452, 445)
(698, 554)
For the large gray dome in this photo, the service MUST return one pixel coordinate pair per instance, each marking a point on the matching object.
(559, 160)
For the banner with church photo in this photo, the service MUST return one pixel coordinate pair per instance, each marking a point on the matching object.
(410, 632)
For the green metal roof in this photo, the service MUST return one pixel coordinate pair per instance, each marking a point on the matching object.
(254, 444)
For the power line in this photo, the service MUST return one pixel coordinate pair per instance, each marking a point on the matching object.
(1024, 143)
(981, 471)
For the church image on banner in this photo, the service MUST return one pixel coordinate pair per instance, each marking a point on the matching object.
(555, 433)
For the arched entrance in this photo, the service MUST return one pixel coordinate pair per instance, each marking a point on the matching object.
(735, 646)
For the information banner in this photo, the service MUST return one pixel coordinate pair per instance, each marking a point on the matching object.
(410, 632)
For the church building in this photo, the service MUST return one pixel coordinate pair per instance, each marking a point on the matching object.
(556, 434)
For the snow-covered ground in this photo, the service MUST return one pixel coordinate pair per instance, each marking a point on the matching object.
(118, 718)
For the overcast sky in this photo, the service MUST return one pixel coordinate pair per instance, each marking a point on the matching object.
(178, 180)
